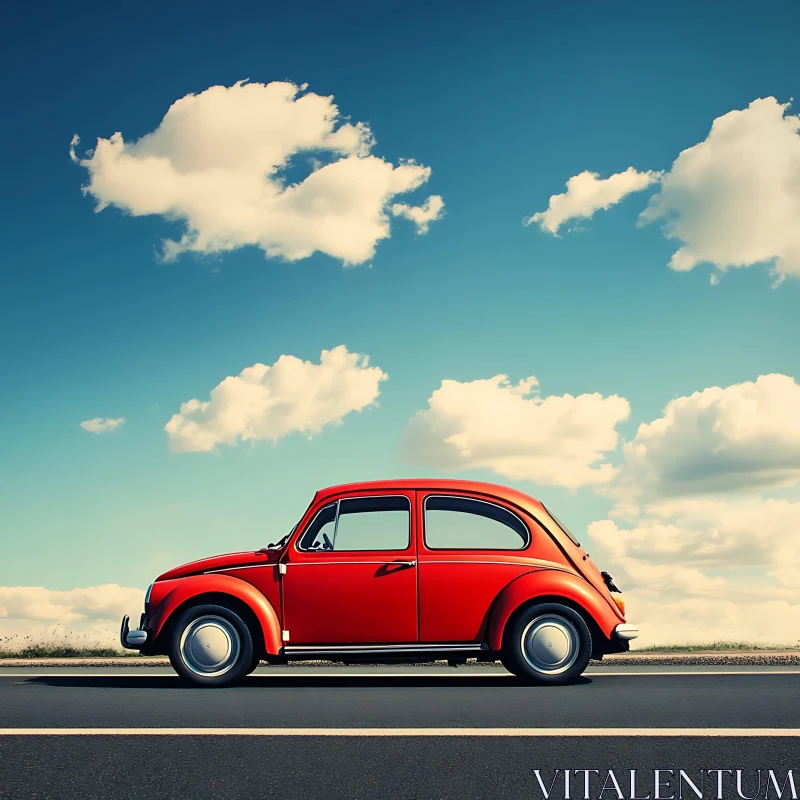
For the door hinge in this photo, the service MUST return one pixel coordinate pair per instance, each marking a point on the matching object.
(285, 636)
(282, 569)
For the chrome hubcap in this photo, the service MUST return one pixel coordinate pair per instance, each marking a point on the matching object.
(550, 644)
(210, 646)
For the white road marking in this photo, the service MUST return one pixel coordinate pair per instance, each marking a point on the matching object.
(334, 675)
(361, 732)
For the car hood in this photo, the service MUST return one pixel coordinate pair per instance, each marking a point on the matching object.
(226, 561)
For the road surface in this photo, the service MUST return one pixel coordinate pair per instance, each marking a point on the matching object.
(389, 733)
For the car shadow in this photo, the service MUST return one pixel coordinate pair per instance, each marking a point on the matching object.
(293, 682)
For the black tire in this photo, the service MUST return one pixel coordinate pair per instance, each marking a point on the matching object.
(548, 643)
(255, 661)
(211, 645)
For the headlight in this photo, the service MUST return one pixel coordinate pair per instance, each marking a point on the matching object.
(147, 594)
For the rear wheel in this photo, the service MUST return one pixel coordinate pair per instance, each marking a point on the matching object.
(211, 646)
(548, 643)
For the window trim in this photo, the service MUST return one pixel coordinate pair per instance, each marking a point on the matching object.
(337, 503)
(522, 522)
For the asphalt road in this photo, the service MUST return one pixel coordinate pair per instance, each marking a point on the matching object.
(409, 705)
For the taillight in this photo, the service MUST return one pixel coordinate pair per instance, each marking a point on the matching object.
(620, 604)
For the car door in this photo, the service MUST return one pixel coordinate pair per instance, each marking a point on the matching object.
(470, 549)
(351, 576)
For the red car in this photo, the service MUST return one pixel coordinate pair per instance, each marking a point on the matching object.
(406, 570)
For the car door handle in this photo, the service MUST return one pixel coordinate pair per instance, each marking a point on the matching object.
(405, 563)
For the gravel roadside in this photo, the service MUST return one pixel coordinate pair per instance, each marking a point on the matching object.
(780, 658)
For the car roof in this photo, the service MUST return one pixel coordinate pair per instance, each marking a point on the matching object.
(434, 484)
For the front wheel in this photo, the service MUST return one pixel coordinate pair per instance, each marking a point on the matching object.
(548, 643)
(211, 646)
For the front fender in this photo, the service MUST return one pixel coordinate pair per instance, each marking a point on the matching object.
(193, 586)
(549, 583)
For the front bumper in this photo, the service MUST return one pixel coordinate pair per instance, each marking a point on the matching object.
(132, 640)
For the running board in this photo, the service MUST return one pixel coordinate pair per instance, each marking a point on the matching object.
(384, 649)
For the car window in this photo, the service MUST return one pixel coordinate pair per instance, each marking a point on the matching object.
(360, 523)
(373, 523)
(563, 528)
(457, 523)
(319, 534)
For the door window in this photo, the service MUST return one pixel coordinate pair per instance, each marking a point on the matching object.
(360, 523)
(460, 523)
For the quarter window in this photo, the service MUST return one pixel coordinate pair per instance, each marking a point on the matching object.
(319, 534)
(460, 523)
(360, 523)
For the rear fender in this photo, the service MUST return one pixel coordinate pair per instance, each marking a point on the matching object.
(551, 584)
(195, 586)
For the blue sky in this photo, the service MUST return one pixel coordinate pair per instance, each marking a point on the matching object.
(504, 105)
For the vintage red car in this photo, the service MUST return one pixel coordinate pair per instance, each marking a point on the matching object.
(409, 570)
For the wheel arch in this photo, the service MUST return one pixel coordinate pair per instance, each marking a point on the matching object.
(551, 586)
(238, 595)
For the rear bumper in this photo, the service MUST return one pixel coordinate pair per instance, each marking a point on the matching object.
(132, 640)
(618, 642)
(626, 631)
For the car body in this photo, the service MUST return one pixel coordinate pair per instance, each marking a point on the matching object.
(393, 570)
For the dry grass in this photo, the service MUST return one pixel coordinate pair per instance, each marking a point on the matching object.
(58, 645)
(715, 647)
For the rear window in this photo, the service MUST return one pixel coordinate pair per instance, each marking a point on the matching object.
(460, 523)
(563, 528)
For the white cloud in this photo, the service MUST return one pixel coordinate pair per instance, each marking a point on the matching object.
(268, 402)
(587, 193)
(423, 215)
(734, 199)
(102, 424)
(218, 163)
(556, 440)
(742, 437)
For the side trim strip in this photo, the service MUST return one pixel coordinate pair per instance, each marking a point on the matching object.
(245, 566)
(532, 564)
(399, 563)
(386, 648)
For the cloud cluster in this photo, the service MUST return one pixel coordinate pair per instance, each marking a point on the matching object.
(741, 437)
(220, 162)
(76, 605)
(734, 199)
(102, 424)
(268, 402)
(707, 532)
(699, 570)
(79, 617)
(587, 193)
(557, 440)
(702, 553)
